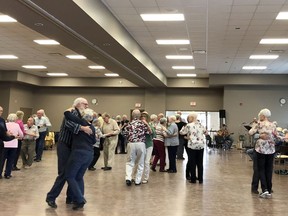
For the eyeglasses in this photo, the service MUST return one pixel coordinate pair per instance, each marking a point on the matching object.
(86, 104)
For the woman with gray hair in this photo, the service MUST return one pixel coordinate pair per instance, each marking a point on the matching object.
(265, 149)
(172, 143)
(19, 121)
(195, 133)
(10, 147)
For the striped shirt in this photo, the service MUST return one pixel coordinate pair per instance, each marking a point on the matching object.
(68, 128)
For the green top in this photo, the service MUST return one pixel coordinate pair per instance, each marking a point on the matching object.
(149, 137)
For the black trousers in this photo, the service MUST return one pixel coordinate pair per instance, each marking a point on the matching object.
(96, 156)
(172, 151)
(255, 178)
(196, 160)
(188, 165)
(17, 153)
(265, 168)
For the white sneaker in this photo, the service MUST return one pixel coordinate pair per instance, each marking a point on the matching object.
(144, 181)
(264, 194)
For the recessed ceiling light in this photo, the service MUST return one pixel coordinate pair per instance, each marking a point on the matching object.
(254, 67)
(263, 56)
(111, 74)
(6, 18)
(162, 17)
(46, 42)
(179, 57)
(75, 56)
(96, 67)
(34, 67)
(274, 41)
(172, 42)
(183, 67)
(282, 16)
(57, 74)
(8, 57)
(186, 75)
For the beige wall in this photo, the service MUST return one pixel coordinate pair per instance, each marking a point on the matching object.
(5, 98)
(253, 99)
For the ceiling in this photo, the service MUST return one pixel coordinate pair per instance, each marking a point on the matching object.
(111, 33)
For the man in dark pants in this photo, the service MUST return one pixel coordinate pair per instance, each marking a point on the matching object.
(64, 149)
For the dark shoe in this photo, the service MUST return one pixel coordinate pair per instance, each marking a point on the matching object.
(188, 178)
(107, 168)
(181, 158)
(15, 169)
(77, 206)
(172, 171)
(200, 181)
(69, 202)
(7, 177)
(128, 183)
(153, 169)
(137, 184)
(1, 177)
(37, 160)
(51, 203)
(193, 181)
(102, 167)
(254, 191)
(162, 170)
(92, 168)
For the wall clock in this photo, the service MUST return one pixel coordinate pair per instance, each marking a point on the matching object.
(282, 101)
(94, 101)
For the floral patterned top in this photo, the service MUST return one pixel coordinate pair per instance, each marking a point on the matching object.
(264, 146)
(196, 135)
(136, 131)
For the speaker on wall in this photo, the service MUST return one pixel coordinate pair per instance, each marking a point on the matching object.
(222, 114)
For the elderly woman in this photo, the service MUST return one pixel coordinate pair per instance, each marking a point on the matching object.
(10, 147)
(20, 115)
(149, 147)
(265, 149)
(159, 146)
(172, 142)
(195, 133)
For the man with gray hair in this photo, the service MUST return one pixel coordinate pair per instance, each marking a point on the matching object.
(135, 131)
(68, 128)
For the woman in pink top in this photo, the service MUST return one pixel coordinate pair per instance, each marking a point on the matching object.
(10, 147)
(19, 121)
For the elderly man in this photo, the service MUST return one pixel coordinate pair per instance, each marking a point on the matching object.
(42, 122)
(68, 128)
(110, 130)
(136, 148)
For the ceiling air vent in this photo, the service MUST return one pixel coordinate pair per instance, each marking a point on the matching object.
(55, 54)
(199, 51)
(276, 51)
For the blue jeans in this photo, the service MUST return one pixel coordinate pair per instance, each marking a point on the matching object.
(77, 165)
(63, 153)
(40, 145)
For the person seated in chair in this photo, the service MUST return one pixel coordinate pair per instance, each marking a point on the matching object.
(224, 137)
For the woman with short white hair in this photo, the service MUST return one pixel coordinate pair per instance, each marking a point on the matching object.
(195, 133)
(10, 147)
(19, 121)
(265, 149)
(172, 143)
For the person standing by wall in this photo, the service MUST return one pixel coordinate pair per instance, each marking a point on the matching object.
(110, 130)
(42, 122)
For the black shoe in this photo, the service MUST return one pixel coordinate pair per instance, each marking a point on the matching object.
(188, 178)
(193, 181)
(254, 191)
(107, 168)
(7, 177)
(128, 183)
(162, 170)
(172, 171)
(15, 169)
(200, 181)
(153, 169)
(51, 203)
(77, 206)
(37, 160)
(92, 168)
(69, 202)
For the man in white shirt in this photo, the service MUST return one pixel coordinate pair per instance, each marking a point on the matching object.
(42, 122)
